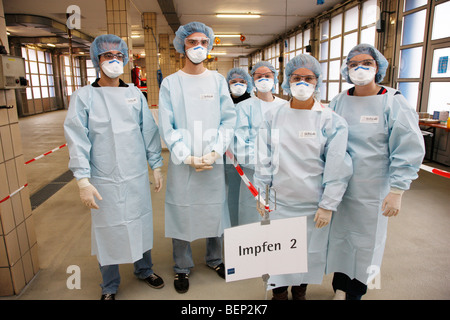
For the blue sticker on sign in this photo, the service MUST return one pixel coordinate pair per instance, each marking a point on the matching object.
(230, 271)
(443, 64)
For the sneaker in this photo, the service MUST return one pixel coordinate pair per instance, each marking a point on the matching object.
(108, 296)
(220, 269)
(181, 282)
(154, 281)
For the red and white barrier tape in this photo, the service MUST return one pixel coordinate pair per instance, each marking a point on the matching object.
(47, 153)
(439, 172)
(247, 182)
(15, 192)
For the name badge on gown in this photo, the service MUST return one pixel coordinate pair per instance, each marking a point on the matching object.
(306, 134)
(132, 100)
(207, 96)
(369, 119)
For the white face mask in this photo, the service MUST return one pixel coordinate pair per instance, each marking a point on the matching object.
(302, 90)
(361, 76)
(196, 54)
(238, 89)
(112, 68)
(264, 84)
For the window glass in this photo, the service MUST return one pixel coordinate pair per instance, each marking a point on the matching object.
(368, 35)
(410, 62)
(351, 19)
(324, 50)
(324, 66)
(440, 67)
(335, 70)
(333, 89)
(336, 25)
(369, 12)
(441, 21)
(324, 30)
(335, 48)
(298, 43)
(350, 40)
(439, 97)
(412, 4)
(413, 27)
(410, 91)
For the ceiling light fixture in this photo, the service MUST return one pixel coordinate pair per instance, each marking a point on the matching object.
(217, 53)
(227, 35)
(51, 45)
(238, 15)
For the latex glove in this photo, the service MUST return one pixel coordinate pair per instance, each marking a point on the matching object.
(210, 158)
(322, 217)
(392, 203)
(157, 174)
(87, 193)
(197, 163)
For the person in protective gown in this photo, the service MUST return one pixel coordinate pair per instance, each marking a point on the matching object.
(302, 155)
(196, 121)
(387, 149)
(112, 138)
(240, 86)
(265, 79)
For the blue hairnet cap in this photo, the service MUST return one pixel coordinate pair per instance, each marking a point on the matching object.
(302, 61)
(268, 65)
(365, 48)
(188, 29)
(242, 74)
(105, 43)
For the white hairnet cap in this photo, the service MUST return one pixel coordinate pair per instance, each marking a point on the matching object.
(302, 61)
(240, 73)
(365, 48)
(188, 29)
(106, 43)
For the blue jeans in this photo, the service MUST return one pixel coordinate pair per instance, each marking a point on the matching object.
(111, 276)
(182, 254)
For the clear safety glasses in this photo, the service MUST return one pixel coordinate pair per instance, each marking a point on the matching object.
(258, 76)
(193, 42)
(365, 63)
(110, 56)
(307, 78)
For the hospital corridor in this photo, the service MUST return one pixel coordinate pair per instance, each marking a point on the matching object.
(56, 54)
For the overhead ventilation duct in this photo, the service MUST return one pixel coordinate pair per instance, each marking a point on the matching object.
(57, 28)
(169, 12)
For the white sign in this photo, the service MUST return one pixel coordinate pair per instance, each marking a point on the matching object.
(253, 250)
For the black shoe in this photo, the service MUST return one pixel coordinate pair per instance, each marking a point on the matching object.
(154, 281)
(108, 296)
(220, 269)
(181, 282)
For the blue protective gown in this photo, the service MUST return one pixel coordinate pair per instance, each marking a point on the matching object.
(196, 116)
(307, 164)
(250, 115)
(387, 149)
(111, 136)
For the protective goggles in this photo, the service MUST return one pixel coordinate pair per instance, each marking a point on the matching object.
(193, 42)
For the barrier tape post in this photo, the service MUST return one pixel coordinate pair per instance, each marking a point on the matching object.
(247, 182)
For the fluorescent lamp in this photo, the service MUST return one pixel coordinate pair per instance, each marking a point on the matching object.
(227, 35)
(217, 53)
(135, 36)
(51, 45)
(238, 15)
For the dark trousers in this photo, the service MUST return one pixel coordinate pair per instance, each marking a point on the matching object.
(353, 288)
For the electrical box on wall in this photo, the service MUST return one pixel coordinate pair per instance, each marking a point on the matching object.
(12, 72)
